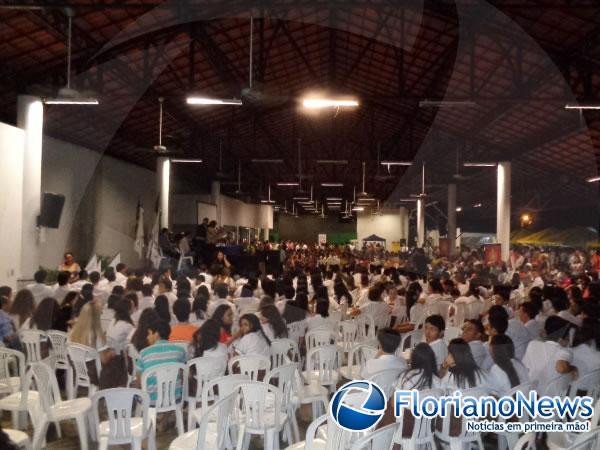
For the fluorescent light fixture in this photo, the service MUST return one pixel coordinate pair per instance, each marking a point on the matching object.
(592, 179)
(477, 205)
(334, 203)
(213, 101)
(71, 101)
(406, 200)
(366, 199)
(445, 103)
(479, 164)
(396, 163)
(183, 160)
(358, 208)
(582, 106)
(319, 103)
(300, 198)
(333, 199)
(293, 183)
(308, 203)
(339, 162)
(458, 208)
(332, 184)
(267, 201)
(267, 161)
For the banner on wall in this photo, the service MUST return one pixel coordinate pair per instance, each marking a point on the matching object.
(492, 254)
(322, 239)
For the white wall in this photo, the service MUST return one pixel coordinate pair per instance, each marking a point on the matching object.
(388, 225)
(11, 191)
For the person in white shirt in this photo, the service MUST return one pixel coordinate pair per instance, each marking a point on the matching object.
(436, 292)
(376, 307)
(62, 288)
(206, 343)
(473, 333)
(586, 345)
(526, 313)
(386, 358)
(433, 333)
(272, 322)
(251, 338)
(514, 329)
(328, 283)
(461, 370)
(549, 359)
(221, 292)
(423, 372)
(288, 293)
(165, 287)
(40, 289)
(572, 312)
(321, 317)
(120, 274)
(120, 327)
(507, 372)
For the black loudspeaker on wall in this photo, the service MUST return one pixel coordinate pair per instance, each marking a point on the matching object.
(52, 206)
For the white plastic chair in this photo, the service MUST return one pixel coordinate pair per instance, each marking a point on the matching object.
(213, 432)
(322, 366)
(128, 418)
(589, 384)
(387, 380)
(422, 432)
(562, 441)
(259, 419)
(32, 341)
(250, 365)
(296, 330)
(80, 355)
(167, 379)
(584, 441)
(557, 386)
(19, 438)
(525, 442)
(357, 358)
(284, 378)
(365, 326)
(319, 337)
(506, 440)
(20, 399)
(131, 353)
(206, 369)
(411, 339)
(284, 351)
(456, 314)
(451, 333)
(312, 393)
(380, 439)
(347, 335)
(337, 438)
(58, 350)
(464, 437)
(53, 409)
(8, 357)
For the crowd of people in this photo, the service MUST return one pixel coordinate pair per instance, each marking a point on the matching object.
(533, 318)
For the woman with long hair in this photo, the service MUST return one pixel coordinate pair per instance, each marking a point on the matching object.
(162, 309)
(272, 322)
(45, 315)
(461, 369)
(139, 337)
(507, 372)
(224, 316)
(120, 327)
(205, 342)
(423, 370)
(22, 309)
(586, 347)
(251, 338)
(88, 328)
(342, 295)
(199, 307)
(321, 317)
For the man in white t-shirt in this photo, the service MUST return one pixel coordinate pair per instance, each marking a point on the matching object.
(165, 287)
(526, 313)
(433, 333)
(386, 359)
(549, 359)
(473, 333)
(40, 290)
(221, 292)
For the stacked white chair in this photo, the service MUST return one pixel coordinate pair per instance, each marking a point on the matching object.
(213, 432)
(128, 418)
(80, 355)
(259, 416)
(168, 378)
(250, 365)
(284, 378)
(322, 366)
(52, 409)
(18, 399)
(205, 369)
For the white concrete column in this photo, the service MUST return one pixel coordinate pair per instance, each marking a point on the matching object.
(452, 218)
(266, 234)
(163, 176)
(420, 222)
(503, 208)
(30, 117)
(215, 196)
(404, 226)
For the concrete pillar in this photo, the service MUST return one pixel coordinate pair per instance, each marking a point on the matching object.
(420, 222)
(30, 117)
(266, 236)
(163, 176)
(404, 226)
(215, 196)
(452, 218)
(503, 208)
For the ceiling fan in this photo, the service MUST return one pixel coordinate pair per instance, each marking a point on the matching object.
(382, 176)
(160, 149)
(457, 176)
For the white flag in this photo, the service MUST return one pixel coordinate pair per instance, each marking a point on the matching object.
(138, 245)
(153, 251)
(92, 265)
(116, 260)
